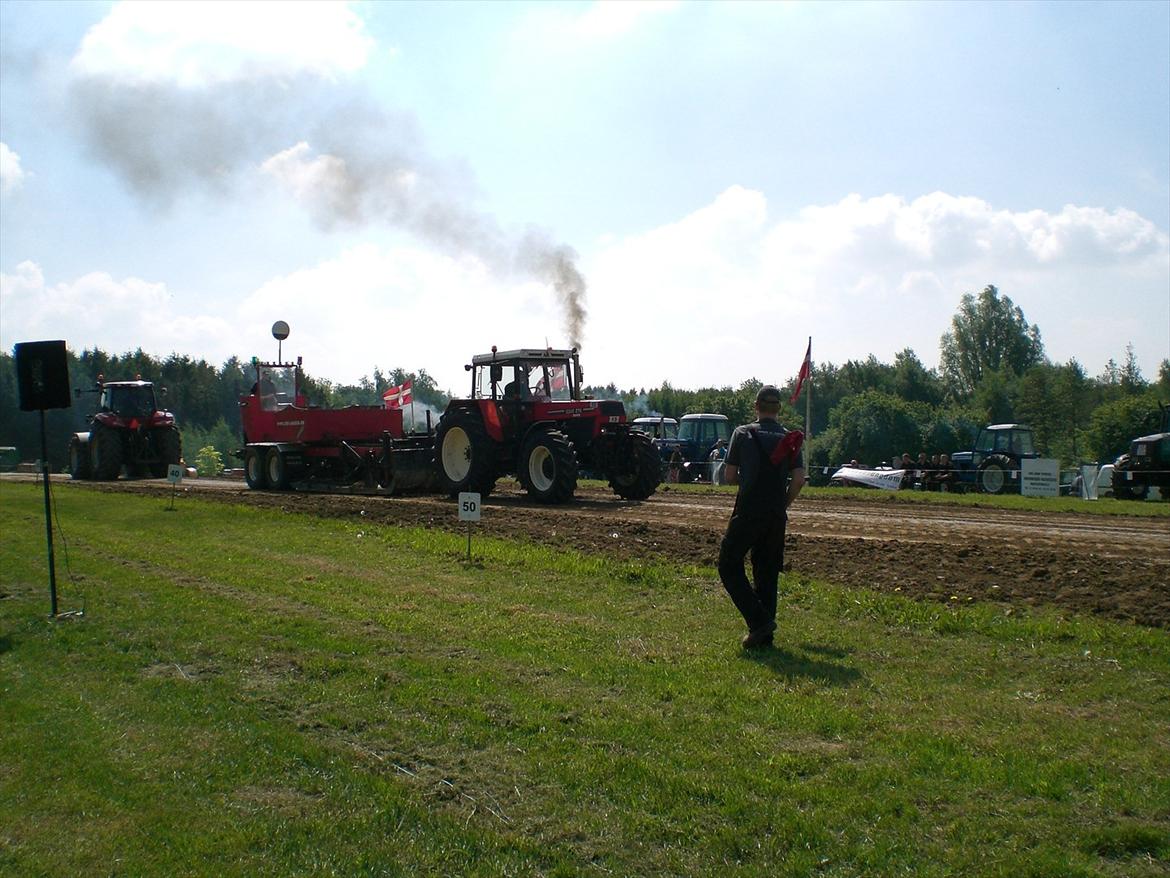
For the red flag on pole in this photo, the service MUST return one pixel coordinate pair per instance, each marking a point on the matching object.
(397, 396)
(804, 368)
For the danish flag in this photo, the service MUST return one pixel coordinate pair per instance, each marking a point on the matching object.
(398, 396)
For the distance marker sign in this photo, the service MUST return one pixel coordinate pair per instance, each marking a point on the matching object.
(468, 506)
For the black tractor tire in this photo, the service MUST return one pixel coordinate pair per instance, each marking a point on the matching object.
(79, 462)
(276, 469)
(1123, 488)
(105, 450)
(994, 475)
(643, 472)
(465, 456)
(255, 472)
(168, 444)
(547, 468)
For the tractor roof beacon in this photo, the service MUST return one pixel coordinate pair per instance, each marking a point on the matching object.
(525, 415)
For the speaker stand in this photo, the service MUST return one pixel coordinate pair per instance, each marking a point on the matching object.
(48, 520)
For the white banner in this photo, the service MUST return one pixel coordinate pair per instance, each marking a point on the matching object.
(886, 479)
(1040, 477)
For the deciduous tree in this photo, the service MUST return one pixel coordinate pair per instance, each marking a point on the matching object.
(988, 334)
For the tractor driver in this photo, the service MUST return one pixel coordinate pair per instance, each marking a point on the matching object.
(517, 388)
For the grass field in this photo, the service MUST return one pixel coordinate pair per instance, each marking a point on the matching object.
(257, 693)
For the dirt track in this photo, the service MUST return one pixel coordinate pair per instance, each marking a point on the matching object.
(1111, 565)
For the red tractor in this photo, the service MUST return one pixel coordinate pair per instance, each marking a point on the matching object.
(525, 416)
(291, 444)
(128, 430)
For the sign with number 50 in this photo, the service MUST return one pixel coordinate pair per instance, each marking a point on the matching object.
(468, 506)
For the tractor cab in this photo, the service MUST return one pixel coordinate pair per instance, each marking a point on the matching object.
(526, 375)
(128, 399)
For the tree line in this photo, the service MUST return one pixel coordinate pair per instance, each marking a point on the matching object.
(992, 369)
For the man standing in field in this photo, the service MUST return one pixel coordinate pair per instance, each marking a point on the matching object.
(764, 460)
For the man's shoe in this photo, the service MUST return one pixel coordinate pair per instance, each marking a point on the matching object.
(759, 637)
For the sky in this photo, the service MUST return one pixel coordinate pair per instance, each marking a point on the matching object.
(685, 191)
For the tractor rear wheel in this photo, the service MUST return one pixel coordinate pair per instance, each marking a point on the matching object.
(168, 445)
(105, 448)
(276, 468)
(995, 475)
(255, 473)
(79, 464)
(641, 474)
(548, 467)
(465, 455)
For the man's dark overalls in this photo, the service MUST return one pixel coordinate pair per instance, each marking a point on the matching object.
(757, 525)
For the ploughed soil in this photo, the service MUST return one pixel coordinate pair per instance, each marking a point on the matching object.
(1113, 566)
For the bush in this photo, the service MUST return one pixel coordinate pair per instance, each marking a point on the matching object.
(208, 462)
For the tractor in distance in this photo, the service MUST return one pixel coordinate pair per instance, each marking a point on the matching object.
(526, 416)
(1146, 465)
(289, 444)
(127, 431)
(993, 464)
(698, 436)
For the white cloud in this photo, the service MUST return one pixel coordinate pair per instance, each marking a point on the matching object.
(613, 18)
(193, 44)
(11, 173)
(725, 293)
(99, 310)
(398, 307)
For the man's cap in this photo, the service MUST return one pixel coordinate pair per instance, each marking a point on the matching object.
(768, 394)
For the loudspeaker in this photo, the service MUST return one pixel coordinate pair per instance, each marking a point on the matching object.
(42, 373)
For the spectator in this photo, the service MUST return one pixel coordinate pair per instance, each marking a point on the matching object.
(945, 476)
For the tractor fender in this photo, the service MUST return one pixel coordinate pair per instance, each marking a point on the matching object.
(282, 447)
(538, 427)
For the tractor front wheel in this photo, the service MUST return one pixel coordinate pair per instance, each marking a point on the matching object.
(995, 475)
(641, 473)
(79, 463)
(465, 455)
(548, 467)
(255, 473)
(105, 448)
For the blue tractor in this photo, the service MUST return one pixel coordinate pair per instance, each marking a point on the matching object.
(993, 464)
(698, 436)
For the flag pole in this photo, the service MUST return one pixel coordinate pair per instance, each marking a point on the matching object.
(808, 397)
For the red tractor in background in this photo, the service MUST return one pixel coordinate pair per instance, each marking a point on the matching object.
(525, 416)
(128, 430)
(291, 444)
